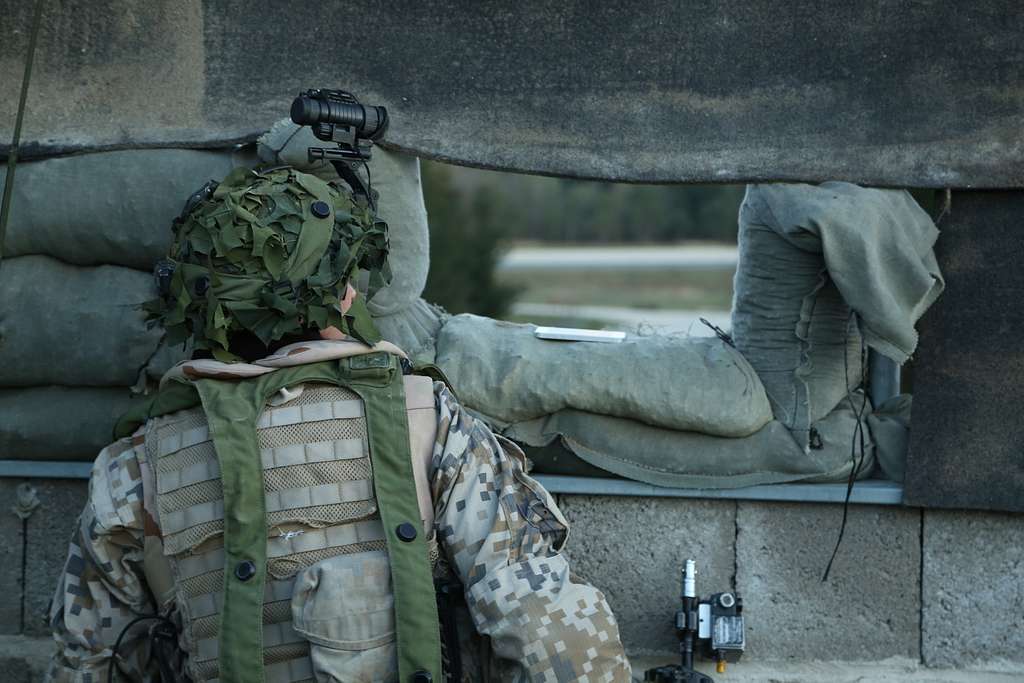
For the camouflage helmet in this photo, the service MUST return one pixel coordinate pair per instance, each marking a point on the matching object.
(268, 252)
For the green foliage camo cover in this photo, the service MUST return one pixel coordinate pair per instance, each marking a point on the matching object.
(261, 255)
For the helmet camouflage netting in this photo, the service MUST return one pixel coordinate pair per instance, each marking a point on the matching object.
(270, 252)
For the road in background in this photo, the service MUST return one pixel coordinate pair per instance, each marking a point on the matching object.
(623, 287)
(683, 257)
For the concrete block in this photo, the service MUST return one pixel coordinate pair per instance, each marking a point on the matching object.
(889, 670)
(49, 529)
(10, 568)
(870, 607)
(24, 660)
(633, 550)
(973, 590)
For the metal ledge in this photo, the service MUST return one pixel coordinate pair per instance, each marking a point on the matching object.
(870, 492)
(44, 469)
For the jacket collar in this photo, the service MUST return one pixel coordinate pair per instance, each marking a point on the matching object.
(300, 353)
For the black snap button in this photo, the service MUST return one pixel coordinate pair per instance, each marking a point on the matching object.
(320, 209)
(202, 286)
(406, 532)
(245, 570)
(422, 676)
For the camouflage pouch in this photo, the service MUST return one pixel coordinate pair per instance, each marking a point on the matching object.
(344, 607)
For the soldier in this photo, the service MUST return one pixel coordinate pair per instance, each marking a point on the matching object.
(282, 508)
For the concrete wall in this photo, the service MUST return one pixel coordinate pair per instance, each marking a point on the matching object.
(943, 588)
(940, 588)
(36, 550)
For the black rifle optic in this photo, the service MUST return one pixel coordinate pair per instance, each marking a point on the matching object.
(716, 624)
(337, 116)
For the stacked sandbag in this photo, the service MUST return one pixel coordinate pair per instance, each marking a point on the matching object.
(790, 321)
(666, 410)
(564, 441)
(73, 325)
(59, 423)
(825, 270)
(416, 327)
(83, 236)
(75, 349)
(110, 208)
(507, 374)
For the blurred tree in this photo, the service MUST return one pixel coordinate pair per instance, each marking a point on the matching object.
(579, 211)
(464, 245)
(471, 212)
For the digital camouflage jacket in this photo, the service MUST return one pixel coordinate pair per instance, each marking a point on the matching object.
(497, 531)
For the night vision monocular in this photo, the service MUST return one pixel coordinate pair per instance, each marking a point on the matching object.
(337, 116)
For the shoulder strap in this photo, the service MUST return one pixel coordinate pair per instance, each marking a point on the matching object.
(171, 398)
(232, 409)
(435, 373)
(416, 620)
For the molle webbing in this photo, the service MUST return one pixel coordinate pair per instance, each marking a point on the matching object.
(310, 462)
(233, 409)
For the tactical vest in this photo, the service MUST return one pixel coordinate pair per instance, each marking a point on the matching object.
(328, 604)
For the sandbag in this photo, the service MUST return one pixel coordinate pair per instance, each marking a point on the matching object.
(414, 330)
(700, 384)
(109, 207)
(59, 423)
(790, 322)
(890, 429)
(75, 326)
(670, 458)
(396, 177)
(810, 258)
(878, 247)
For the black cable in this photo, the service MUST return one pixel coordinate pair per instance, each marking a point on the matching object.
(12, 155)
(120, 637)
(369, 187)
(24, 568)
(858, 432)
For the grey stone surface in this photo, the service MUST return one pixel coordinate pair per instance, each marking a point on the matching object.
(798, 629)
(870, 607)
(973, 590)
(889, 670)
(10, 567)
(49, 529)
(24, 659)
(633, 549)
(915, 94)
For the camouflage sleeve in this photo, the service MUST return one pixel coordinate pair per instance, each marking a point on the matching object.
(502, 534)
(100, 590)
